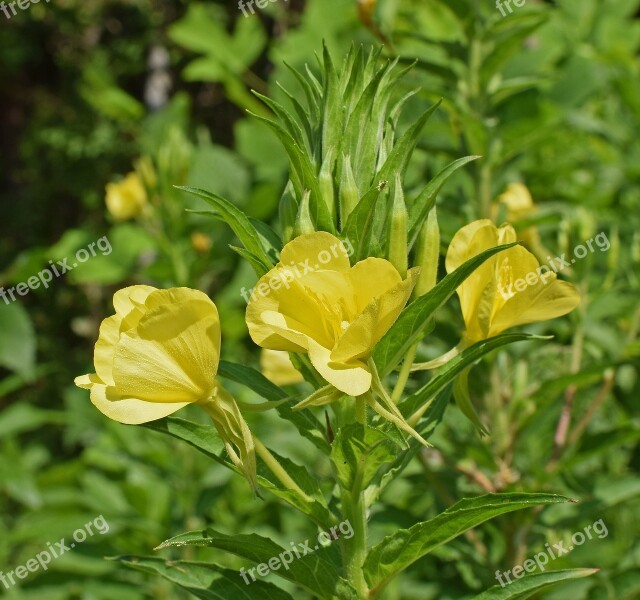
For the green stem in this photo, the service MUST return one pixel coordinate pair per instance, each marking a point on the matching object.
(355, 549)
(276, 468)
(403, 376)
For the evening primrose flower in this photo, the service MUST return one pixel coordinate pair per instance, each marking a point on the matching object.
(127, 198)
(329, 310)
(160, 353)
(277, 367)
(507, 290)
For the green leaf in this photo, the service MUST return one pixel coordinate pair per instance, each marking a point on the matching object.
(315, 571)
(397, 551)
(359, 225)
(205, 581)
(252, 379)
(416, 317)
(18, 339)
(424, 202)
(202, 437)
(451, 369)
(358, 452)
(398, 160)
(305, 421)
(525, 587)
(303, 176)
(205, 439)
(238, 222)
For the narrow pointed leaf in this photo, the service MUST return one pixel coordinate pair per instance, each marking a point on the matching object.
(238, 222)
(527, 586)
(205, 580)
(454, 367)
(424, 202)
(315, 571)
(397, 551)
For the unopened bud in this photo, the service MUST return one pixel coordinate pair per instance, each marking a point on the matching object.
(325, 179)
(428, 254)
(349, 195)
(304, 222)
(287, 212)
(398, 231)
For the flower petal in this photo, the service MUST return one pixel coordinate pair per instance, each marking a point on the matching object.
(319, 250)
(374, 321)
(130, 410)
(353, 380)
(105, 348)
(173, 353)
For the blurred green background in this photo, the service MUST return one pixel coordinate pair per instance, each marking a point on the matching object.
(548, 95)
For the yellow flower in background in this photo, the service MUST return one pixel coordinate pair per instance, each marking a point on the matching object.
(127, 198)
(314, 302)
(518, 202)
(510, 288)
(277, 367)
(519, 205)
(157, 354)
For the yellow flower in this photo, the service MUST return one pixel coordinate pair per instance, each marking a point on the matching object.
(314, 302)
(519, 205)
(127, 198)
(509, 289)
(278, 368)
(157, 354)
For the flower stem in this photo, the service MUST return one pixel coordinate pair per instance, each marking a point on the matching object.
(403, 377)
(355, 549)
(276, 468)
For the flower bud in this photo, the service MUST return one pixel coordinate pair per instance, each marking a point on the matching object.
(428, 254)
(288, 210)
(325, 180)
(349, 194)
(398, 231)
(127, 199)
(304, 222)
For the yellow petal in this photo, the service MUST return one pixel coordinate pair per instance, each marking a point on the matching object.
(354, 380)
(371, 278)
(105, 348)
(131, 411)
(278, 368)
(375, 320)
(172, 355)
(545, 299)
(281, 319)
(316, 250)
(86, 382)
